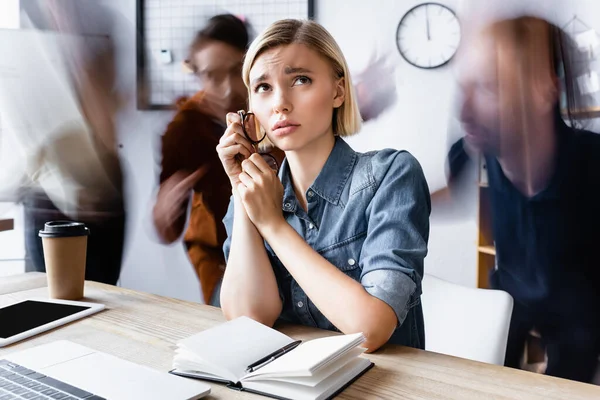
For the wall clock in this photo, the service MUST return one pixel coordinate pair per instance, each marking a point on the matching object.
(428, 35)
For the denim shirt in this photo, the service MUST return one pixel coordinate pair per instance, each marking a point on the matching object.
(368, 215)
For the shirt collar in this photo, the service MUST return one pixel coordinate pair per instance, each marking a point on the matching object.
(330, 182)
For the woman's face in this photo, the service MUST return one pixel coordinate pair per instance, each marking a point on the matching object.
(293, 94)
(219, 68)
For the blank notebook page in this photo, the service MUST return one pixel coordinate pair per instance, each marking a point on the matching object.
(236, 344)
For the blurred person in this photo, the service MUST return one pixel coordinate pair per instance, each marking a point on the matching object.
(190, 164)
(336, 241)
(375, 87)
(544, 178)
(70, 168)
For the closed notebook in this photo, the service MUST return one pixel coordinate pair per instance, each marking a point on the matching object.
(313, 370)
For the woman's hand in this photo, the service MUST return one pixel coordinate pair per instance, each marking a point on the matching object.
(261, 193)
(233, 143)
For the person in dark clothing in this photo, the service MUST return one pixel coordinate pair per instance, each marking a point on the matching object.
(544, 178)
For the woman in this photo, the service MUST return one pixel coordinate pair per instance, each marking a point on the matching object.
(189, 160)
(338, 240)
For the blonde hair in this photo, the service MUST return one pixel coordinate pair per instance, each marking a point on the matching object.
(346, 118)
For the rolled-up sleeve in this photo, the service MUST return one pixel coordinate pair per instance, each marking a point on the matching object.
(393, 253)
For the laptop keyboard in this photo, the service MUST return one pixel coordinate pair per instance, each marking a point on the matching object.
(17, 383)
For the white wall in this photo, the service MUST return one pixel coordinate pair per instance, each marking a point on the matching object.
(12, 249)
(9, 14)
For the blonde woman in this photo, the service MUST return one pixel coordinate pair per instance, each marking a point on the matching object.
(337, 240)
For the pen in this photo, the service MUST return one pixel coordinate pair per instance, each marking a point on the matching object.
(273, 356)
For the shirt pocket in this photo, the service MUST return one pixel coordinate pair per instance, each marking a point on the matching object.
(345, 255)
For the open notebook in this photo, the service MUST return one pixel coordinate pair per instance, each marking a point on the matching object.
(316, 369)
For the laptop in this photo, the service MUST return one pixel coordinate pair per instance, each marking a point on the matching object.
(64, 370)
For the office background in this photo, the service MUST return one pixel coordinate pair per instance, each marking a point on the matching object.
(421, 122)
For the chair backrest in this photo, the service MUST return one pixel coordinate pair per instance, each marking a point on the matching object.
(466, 322)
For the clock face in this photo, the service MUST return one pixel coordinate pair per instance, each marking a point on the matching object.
(428, 35)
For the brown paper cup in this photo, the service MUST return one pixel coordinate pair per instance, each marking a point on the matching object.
(65, 247)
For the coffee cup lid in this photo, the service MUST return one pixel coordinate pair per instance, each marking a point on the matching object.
(58, 229)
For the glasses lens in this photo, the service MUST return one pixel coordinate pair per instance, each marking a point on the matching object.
(252, 128)
(271, 161)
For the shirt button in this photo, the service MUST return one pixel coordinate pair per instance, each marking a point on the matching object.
(287, 206)
(311, 226)
(351, 261)
(311, 193)
(300, 304)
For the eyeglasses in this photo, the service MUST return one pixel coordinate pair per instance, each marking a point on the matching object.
(271, 160)
(253, 133)
(251, 128)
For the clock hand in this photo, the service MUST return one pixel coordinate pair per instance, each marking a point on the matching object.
(427, 17)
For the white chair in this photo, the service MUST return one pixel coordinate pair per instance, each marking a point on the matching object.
(465, 322)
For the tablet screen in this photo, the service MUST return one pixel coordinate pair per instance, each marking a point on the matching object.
(21, 317)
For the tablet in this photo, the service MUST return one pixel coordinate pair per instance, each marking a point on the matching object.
(26, 318)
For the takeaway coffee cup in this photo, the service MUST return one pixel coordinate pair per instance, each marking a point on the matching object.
(65, 247)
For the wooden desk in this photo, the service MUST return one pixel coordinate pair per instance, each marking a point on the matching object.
(21, 282)
(144, 328)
